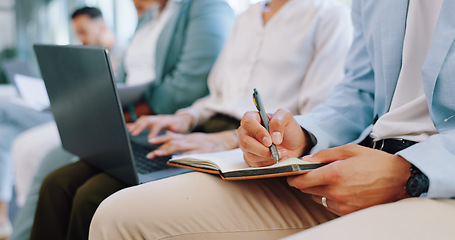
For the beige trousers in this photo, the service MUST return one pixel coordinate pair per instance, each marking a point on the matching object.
(202, 206)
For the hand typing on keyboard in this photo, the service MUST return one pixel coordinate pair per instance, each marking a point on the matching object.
(193, 143)
(177, 123)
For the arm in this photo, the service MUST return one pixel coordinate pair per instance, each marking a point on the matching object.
(349, 110)
(435, 158)
(207, 28)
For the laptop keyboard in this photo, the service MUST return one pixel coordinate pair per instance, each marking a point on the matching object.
(145, 165)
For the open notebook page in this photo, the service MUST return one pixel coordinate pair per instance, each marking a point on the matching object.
(231, 160)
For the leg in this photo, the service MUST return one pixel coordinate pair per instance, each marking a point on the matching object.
(8, 131)
(55, 200)
(88, 198)
(24, 219)
(413, 218)
(29, 150)
(13, 120)
(202, 206)
(7, 134)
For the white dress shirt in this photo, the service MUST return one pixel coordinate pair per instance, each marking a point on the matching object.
(140, 55)
(294, 60)
(409, 117)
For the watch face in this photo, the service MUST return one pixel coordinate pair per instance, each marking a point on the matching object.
(417, 184)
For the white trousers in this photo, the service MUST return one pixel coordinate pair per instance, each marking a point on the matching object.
(28, 151)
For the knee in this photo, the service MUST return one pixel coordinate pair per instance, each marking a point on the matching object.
(111, 207)
(50, 184)
(86, 199)
(110, 217)
(56, 184)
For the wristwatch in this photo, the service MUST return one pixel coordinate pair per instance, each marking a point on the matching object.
(418, 183)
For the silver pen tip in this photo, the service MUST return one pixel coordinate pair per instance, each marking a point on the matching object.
(275, 156)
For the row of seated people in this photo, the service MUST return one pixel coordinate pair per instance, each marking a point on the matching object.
(294, 53)
(193, 31)
(293, 68)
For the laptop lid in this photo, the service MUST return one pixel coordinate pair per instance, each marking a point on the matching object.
(86, 108)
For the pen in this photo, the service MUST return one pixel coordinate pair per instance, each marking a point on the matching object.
(265, 121)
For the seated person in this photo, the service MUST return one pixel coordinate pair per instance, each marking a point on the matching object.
(295, 69)
(282, 64)
(91, 30)
(393, 181)
(188, 37)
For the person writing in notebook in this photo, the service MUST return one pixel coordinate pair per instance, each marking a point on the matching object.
(387, 134)
(310, 63)
(295, 69)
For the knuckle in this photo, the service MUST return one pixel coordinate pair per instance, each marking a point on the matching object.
(245, 121)
(276, 123)
(248, 114)
(335, 176)
(350, 147)
(244, 143)
(241, 132)
(265, 152)
(337, 197)
(249, 158)
(284, 111)
(259, 134)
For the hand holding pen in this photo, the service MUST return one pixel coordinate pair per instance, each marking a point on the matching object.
(265, 121)
(284, 132)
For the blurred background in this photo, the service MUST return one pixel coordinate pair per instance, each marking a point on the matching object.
(25, 22)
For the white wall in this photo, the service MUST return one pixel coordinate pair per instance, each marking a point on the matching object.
(7, 24)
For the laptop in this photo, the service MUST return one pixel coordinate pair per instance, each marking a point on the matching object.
(31, 91)
(80, 84)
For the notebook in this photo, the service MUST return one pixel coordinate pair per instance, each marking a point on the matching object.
(231, 166)
(80, 84)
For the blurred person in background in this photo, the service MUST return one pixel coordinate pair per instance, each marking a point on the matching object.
(173, 49)
(90, 29)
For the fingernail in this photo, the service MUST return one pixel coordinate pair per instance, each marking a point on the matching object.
(283, 153)
(277, 137)
(152, 140)
(150, 155)
(267, 141)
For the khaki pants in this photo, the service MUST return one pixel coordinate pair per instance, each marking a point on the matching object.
(202, 206)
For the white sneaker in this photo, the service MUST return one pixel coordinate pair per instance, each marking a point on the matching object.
(5, 230)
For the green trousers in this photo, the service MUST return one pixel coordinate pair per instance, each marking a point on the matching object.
(68, 199)
(69, 196)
